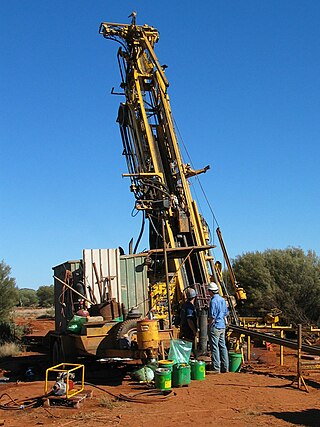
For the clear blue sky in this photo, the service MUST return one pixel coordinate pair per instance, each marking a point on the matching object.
(245, 91)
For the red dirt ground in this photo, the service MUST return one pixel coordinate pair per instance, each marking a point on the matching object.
(260, 395)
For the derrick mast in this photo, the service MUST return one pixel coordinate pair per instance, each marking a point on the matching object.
(159, 177)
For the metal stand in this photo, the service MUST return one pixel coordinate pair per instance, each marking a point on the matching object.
(299, 378)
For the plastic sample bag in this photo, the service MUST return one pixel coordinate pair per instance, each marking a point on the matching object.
(76, 323)
(143, 375)
(180, 351)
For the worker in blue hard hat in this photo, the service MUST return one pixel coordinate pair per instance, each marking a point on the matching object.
(218, 313)
(188, 316)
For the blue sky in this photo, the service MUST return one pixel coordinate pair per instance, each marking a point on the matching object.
(245, 93)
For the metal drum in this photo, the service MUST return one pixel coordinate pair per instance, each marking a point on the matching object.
(147, 334)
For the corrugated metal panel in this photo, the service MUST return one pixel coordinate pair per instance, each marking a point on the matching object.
(107, 263)
(63, 313)
(134, 283)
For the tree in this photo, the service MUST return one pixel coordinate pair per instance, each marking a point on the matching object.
(288, 279)
(28, 297)
(8, 291)
(45, 295)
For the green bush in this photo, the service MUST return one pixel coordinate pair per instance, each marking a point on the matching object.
(288, 279)
(8, 291)
(9, 332)
(28, 297)
(45, 295)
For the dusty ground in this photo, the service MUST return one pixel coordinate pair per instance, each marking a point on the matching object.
(260, 395)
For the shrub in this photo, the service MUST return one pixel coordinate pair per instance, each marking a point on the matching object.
(45, 295)
(9, 332)
(49, 314)
(8, 291)
(28, 298)
(9, 349)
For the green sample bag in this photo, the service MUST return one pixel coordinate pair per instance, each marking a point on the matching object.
(76, 323)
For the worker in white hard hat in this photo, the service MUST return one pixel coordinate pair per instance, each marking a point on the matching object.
(218, 311)
(188, 316)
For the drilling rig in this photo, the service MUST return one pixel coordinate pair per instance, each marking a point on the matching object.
(180, 253)
(111, 285)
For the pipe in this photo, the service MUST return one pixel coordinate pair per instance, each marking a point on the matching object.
(276, 340)
(203, 335)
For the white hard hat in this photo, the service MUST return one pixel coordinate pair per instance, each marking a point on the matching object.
(191, 293)
(213, 287)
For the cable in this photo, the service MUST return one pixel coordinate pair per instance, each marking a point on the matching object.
(140, 234)
(134, 212)
(197, 178)
(14, 404)
(153, 396)
(154, 228)
(135, 398)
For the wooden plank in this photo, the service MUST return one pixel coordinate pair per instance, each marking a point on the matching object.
(73, 402)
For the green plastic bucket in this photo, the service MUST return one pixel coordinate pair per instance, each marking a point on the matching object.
(162, 379)
(198, 370)
(167, 364)
(235, 360)
(181, 375)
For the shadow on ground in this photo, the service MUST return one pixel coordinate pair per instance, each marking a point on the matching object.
(308, 417)
(291, 378)
(33, 368)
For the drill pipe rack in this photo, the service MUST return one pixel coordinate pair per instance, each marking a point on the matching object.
(315, 350)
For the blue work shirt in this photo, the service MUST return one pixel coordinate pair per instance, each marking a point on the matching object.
(218, 311)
